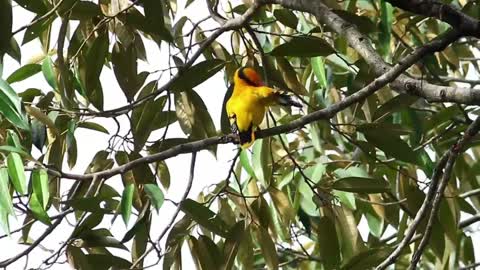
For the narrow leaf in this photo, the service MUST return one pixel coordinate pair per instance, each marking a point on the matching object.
(155, 194)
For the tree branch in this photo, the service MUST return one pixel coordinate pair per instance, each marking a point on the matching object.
(361, 43)
(324, 114)
(463, 23)
(175, 214)
(452, 154)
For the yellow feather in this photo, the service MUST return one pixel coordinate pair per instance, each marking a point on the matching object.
(246, 107)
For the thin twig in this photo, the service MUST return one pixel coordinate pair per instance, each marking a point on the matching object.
(175, 214)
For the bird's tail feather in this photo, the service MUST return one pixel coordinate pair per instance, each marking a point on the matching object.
(286, 100)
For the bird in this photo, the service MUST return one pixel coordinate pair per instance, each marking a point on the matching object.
(248, 103)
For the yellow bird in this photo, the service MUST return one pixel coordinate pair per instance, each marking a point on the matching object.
(248, 103)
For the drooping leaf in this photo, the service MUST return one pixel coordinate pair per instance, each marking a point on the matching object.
(204, 216)
(361, 185)
(40, 186)
(16, 172)
(6, 206)
(10, 106)
(163, 174)
(24, 72)
(95, 59)
(193, 115)
(124, 61)
(305, 46)
(232, 244)
(93, 126)
(197, 74)
(38, 211)
(391, 144)
(268, 248)
(155, 194)
(286, 17)
(328, 243)
(126, 203)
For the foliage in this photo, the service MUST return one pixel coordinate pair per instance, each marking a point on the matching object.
(295, 201)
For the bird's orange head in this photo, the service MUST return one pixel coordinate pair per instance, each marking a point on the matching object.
(248, 76)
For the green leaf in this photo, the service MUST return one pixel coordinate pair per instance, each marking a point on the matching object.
(16, 172)
(140, 223)
(37, 210)
(304, 46)
(155, 194)
(286, 17)
(14, 50)
(144, 116)
(126, 203)
(391, 144)
(246, 163)
(8, 149)
(262, 161)
(107, 261)
(98, 238)
(49, 72)
(95, 59)
(318, 67)
(84, 10)
(232, 244)
(268, 248)
(367, 259)
(201, 254)
(193, 115)
(374, 221)
(40, 186)
(204, 217)
(386, 21)
(24, 72)
(124, 61)
(197, 74)
(10, 106)
(163, 174)
(361, 185)
(174, 242)
(395, 104)
(37, 7)
(75, 256)
(93, 126)
(154, 19)
(282, 204)
(328, 243)
(6, 205)
(363, 23)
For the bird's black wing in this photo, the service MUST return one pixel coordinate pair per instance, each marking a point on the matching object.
(224, 121)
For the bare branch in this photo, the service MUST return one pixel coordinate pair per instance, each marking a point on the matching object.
(175, 214)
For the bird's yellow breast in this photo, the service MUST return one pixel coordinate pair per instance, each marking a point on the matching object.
(248, 105)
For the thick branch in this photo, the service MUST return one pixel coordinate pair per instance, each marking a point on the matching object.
(361, 43)
(463, 23)
(453, 153)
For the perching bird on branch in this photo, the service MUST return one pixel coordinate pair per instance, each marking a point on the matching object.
(248, 103)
